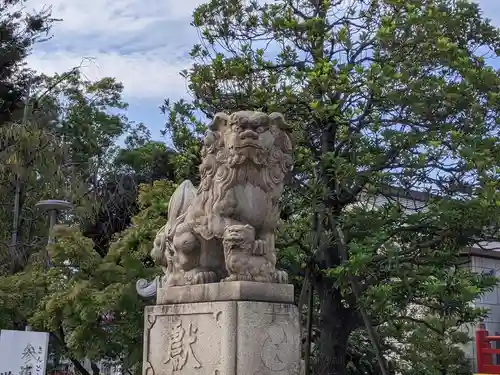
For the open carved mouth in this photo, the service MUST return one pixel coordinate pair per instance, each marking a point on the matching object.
(249, 145)
(233, 236)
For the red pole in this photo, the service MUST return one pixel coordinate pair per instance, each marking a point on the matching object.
(483, 359)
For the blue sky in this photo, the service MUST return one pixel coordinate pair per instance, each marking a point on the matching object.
(143, 43)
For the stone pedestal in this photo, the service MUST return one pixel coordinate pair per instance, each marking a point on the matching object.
(234, 328)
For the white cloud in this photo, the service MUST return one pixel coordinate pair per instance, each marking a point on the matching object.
(144, 76)
(114, 16)
(142, 43)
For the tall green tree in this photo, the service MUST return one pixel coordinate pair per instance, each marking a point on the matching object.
(90, 120)
(141, 161)
(59, 149)
(380, 93)
(19, 32)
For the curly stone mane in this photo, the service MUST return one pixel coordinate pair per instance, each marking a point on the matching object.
(223, 168)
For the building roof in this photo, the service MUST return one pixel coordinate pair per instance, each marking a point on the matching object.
(399, 192)
(480, 253)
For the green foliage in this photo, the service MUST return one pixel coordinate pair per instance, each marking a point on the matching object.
(59, 150)
(20, 31)
(185, 130)
(142, 160)
(87, 118)
(87, 302)
(149, 161)
(138, 239)
(90, 303)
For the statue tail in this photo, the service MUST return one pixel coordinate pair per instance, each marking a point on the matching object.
(178, 204)
(147, 289)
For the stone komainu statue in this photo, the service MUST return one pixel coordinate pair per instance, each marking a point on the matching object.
(224, 229)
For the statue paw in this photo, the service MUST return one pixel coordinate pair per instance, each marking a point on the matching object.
(280, 277)
(204, 277)
(233, 277)
(238, 277)
(259, 247)
(263, 279)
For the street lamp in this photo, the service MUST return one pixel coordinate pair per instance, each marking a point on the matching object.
(53, 207)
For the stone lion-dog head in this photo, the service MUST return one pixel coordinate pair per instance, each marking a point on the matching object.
(250, 141)
(242, 148)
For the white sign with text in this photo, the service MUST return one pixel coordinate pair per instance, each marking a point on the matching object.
(23, 352)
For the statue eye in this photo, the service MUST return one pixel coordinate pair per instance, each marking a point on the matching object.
(261, 129)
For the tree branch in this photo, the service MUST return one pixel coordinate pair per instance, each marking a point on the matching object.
(59, 337)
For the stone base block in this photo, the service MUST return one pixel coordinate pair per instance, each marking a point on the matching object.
(226, 291)
(222, 338)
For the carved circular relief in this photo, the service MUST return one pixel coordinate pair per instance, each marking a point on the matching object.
(277, 351)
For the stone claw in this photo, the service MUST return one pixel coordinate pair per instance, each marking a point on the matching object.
(238, 277)
(259, 247)
(280, 277)
(202, 277)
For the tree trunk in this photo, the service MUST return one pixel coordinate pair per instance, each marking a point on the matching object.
(95, 368)
(79, 367)
(76, 363)
(13, 248)
(336, 322)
